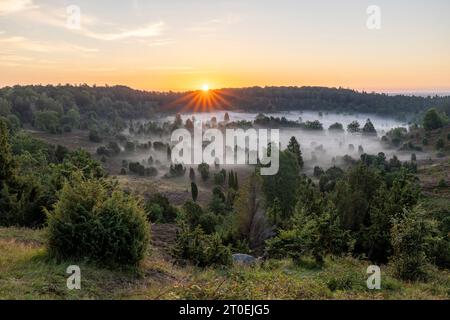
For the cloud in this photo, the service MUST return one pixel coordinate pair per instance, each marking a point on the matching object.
(57, 17)
(13, 6)
(47, 47)
(152, 30)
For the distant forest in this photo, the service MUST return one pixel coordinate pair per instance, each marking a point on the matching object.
(67, 104)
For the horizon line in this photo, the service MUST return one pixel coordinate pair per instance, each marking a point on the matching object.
(405, 92)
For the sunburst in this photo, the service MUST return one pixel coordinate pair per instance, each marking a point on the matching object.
(204, 100)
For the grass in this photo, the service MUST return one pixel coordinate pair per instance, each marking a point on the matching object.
(26, 272)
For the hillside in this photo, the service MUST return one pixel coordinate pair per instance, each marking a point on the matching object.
(27, 273)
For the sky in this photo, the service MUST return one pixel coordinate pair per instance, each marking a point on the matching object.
(186, 44)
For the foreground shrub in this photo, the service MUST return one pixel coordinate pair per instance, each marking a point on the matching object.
(93, 223)
(201, 249)
(411, 237)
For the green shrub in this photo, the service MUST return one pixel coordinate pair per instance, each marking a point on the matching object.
(192, 213)
(160, 210)
(201, 249)
(203, 168)
(208, 222)
(411, 236)
(194, 191)
(440, 144)
(90, 223)
(442, 183)
(94, 136)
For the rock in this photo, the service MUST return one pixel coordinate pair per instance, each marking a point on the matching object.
(241, 258)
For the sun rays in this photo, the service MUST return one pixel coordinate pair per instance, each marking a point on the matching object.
(204, 100)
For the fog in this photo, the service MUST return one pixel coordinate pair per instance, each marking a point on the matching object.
(323, 148)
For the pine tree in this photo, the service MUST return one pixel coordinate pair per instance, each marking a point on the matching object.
(294, 147)
(230, 179)
(194, 191)
(192, 174)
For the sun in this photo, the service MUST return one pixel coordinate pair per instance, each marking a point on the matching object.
(205, 88)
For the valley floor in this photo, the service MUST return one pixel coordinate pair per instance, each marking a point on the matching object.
(26, 272)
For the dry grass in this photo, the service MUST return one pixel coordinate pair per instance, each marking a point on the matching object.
(26, 272)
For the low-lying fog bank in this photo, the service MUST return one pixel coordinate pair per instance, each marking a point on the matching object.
(319, 147)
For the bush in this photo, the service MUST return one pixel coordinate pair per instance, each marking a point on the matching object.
(160, 210)
(89, 223)
(336, 127)
(177, 170)
(440, 144)
(442, 183)
(219, 178)
(48, 121)
(194, 191)
(103, 151)
(94, 136)
(411, 236)
(434, 120)
(192, 213)
(114, 148)
(203, 168)
(201, 249)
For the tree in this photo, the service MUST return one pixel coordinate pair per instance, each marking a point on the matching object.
(368, 128)
(411, 234)
(277, 186)
(94, 136)
(274, 213)
(294, 147)
(48, 121)
(336, 127)
(192, 174)
(178, 122)
(192, 214)
(5, 107)
(353, 127)
(433, 120)
(71, 118)
(203, 168)
(231, 180)
(226, 117)
(314, 230)
(194, 191)
(318, 172)
(6, 159)
(249, 220)
(219, 178)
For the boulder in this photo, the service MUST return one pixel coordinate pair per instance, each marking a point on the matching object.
(241, 258)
